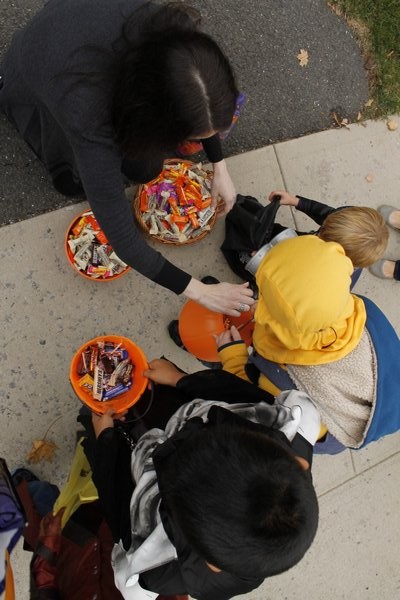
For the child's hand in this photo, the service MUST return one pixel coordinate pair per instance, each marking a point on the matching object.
(230, 335)
(101, 422)
(286, 198)
(162, 371)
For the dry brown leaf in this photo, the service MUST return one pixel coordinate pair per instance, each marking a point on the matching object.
(340, 122)
(392, 125)
(359, 116)
(42, 450)
(336, 118)
(302, 57)
(335, 8)
(369, 103)
(369, 178)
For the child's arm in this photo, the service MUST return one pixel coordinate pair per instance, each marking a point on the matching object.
(317, 211)
(233, 352)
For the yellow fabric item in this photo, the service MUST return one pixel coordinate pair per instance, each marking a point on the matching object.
(306, 314)
(234, 359)
(9, 593)
(79, 488)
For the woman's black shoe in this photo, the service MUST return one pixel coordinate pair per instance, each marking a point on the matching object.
(173, 331)
(66, 185)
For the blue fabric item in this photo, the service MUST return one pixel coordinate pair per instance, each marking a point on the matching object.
(355, 277)
(278, 376)
(44, 495)
(386, 343)
(10, 515)
(12, 522)
(330, 445)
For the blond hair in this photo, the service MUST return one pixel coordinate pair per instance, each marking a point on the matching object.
(361, 231)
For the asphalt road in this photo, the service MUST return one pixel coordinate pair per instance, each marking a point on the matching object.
(262, 39)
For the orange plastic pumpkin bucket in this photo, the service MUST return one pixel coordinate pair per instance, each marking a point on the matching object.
(128, 398)
(197, 325)
(70, 255)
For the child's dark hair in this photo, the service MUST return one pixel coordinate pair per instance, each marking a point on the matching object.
(241, 500)
(172, 83)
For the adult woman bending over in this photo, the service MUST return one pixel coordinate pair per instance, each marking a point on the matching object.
(103, 91)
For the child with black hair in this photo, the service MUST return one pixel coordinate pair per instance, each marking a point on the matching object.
(220, 494)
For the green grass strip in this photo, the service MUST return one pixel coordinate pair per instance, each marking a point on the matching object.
(381, 47)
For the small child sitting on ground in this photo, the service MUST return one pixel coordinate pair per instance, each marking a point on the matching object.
(312, 334)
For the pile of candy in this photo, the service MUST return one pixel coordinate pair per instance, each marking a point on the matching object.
(176, 206)
(106, 370)
(91, 251)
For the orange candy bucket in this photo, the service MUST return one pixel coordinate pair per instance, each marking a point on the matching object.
(70, 255)
(197, 325)
(123, 401)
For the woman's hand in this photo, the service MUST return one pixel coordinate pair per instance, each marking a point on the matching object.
(222, 187)
(226, 298)
(230, 335)
(286, 198)
(162, 371)
(101, 422)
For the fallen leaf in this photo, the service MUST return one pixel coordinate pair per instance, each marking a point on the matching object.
(335, 8)
(340, 122)
(302, 57)
(42, 450)
(369, 103)
(336, 118)
(392, 125)
(369, 178)
(359, 116)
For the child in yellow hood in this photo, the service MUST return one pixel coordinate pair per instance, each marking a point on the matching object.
(310, 333)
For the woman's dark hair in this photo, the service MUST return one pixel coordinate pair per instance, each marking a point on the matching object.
(172, 83)
(241, 500)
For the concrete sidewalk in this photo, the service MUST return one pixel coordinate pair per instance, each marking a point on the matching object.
(49, 311)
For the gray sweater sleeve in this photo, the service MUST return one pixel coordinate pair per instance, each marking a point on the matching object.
(99, 167)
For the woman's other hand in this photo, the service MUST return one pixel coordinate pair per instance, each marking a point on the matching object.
(222, 187)
(226, 298)
(230, 335)
(285, 198)
(162, 371)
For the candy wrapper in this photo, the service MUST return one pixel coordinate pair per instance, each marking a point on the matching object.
(176, 206)
(89, 250)
(105, 370)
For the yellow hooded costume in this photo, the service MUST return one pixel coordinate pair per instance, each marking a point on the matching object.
(306, 314)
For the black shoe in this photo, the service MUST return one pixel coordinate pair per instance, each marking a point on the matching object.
(209, 280)
(173, 331)
(23, 474)
(65, 184)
